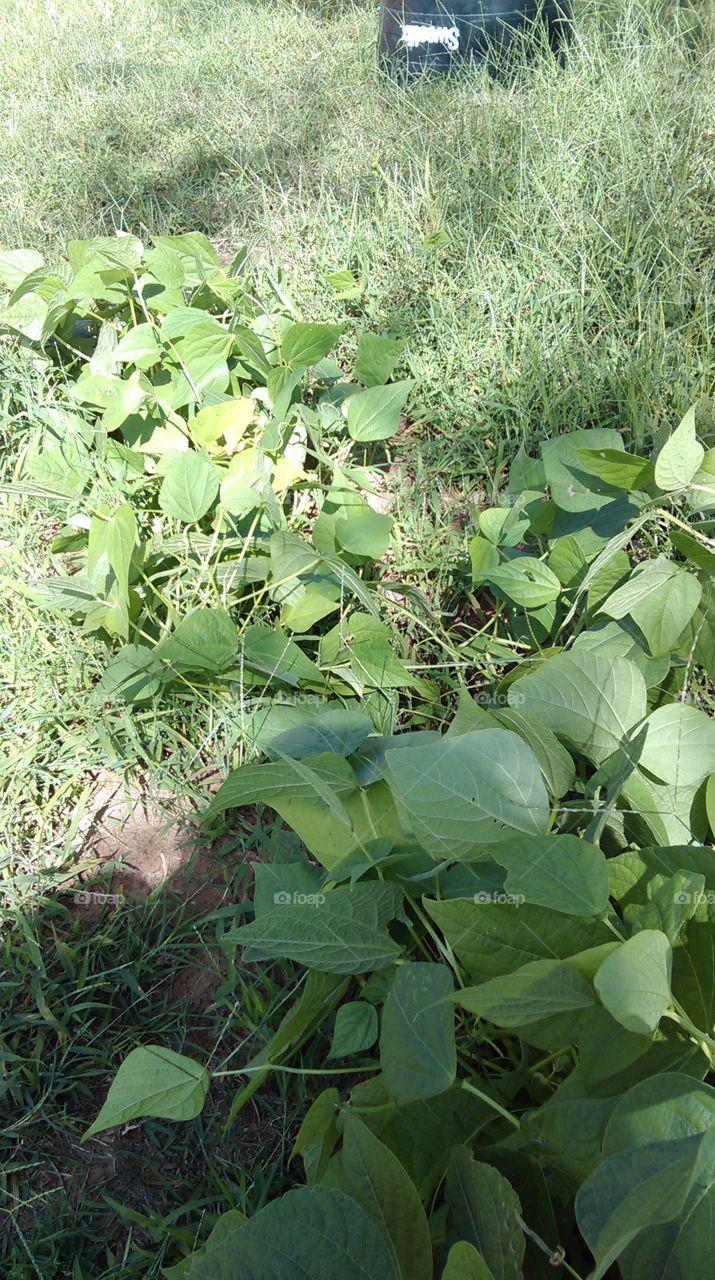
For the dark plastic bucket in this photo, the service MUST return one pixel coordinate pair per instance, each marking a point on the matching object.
(437, 35)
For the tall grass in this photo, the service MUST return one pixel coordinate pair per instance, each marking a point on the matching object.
(544, 244)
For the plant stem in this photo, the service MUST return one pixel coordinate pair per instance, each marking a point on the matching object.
(491, 1103)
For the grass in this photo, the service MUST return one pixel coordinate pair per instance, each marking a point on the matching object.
(545, 247)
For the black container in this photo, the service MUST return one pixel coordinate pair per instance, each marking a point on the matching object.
(438, 35)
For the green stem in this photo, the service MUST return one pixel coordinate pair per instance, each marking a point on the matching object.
(491, 1103)
(299, 1071)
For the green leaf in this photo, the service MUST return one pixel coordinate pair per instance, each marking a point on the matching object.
(189, 488)
(617, 468)
(206, 640)
(372, 1176)
(542, 989)
(558, 871)
(636, 1190)
(305, 344)
(134, 673)
(16, 264)
(342, 933)
(569, 1132)
(486, 1213)
(253, 783)
(573, 487)
(374, 414)
(315, 1232)
(337, 731)
(484, 557)
(363, 533)
(417, 1046)
(661, 599)
(664, 1108)
(318, 1135)
(376, 358)
(153, 1081)
(679, 745)
(680, 458)
(139, 346)
(464, 1263)
(525, 581)
(458, 793)
(634, 982)
(226, 1226)
(493, 938)
(554, 760)
(278, 657)
(590, 702)
(355, 1029)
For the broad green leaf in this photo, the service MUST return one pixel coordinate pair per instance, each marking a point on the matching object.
(559, 871)
(634, 982)
(567, 560)
(664, 1108)
(189, 488)
(590, 702)
(461, 792)
(671, 905)
(229, 420)
(542, 989)
(376, 358)
(573, 487)
(305, 344)
(525, 581)
(153, 1081)
(278, 657)
(206, 640)
(374, 414)
(365, 533)
(316, 599)
(315, 1232)
(16, 264)
(620, 469)
(355, 1029)
(139, 345)
(285, 885)
(569, 1133)
(679, 744)
(464, 1263)
(503, 526)
(226, 1226)
(417, 1047)
(345, 933)
(484, 557)
(680, 457)
(666, 1252)
(318, 1134)
(253, 783)
(494, 938)
(134, 673)
(338, 731)
(701, 495)
(636, 1190)
(486, 1213)
(661, 599)
(372, 1176)
(554, 760)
